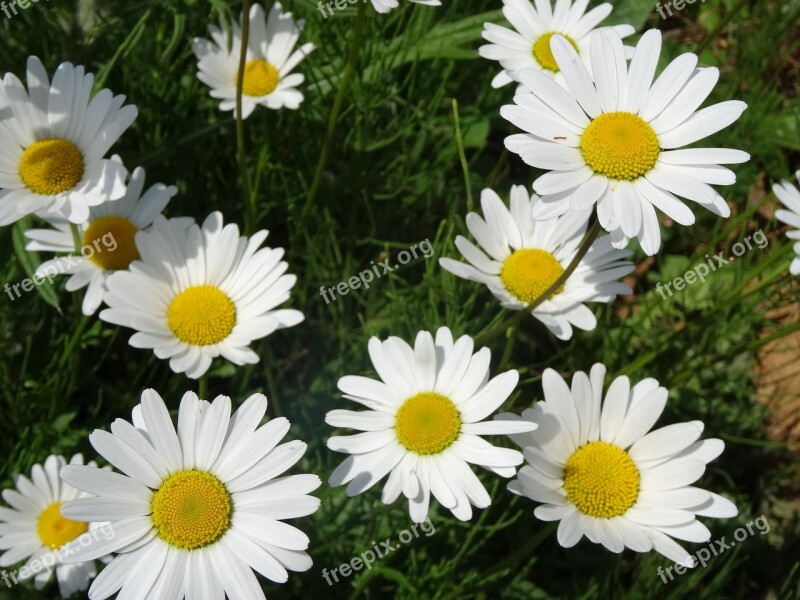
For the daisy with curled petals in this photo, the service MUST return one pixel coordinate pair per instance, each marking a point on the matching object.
(268, 77)
(596, 469)
(526, 257)
(107, 239)
(54, 137)
(535, 24)
(196, 510)
(197, 293)
(613, 139)
(384, 6)
(790, 198)
(425, 424)
(33, 527)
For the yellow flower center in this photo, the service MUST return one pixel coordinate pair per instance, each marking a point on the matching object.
(620, 145)
(54, 530)
(113, 242)
(49, 167)
(191, 509)
(260, 78)
(427, 423)
(529, 272)
(544, 55)
(201, 315)
(601, 480)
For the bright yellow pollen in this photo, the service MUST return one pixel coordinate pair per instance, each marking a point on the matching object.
(260, 78)
(620, 145)
(49, 167)
(544, 55)
(54, 530)
(529, 272)
(201, 315)
(427, 423)
(191, 509)
(106, 233)
(601, 480)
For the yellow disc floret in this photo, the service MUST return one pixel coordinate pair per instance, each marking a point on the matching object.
(112, 240)
(427, 423)
(260, 78)
(620, 145)
(54, 530)
(529, 272)
(49, 167)
(601, 480)
(201, 315)
(192, 509)
(544, 55)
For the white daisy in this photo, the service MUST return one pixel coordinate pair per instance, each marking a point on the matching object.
(34, 530)
(194, 511)
(107, 239)
(528, 46)
(200, 293)
(596, 469)
(612, 139)
(790, 197)
(526, 257)
(54, 137)
(385, 6)
(425, 424)
(268, 77)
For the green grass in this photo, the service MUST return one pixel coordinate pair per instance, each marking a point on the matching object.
(395, 177)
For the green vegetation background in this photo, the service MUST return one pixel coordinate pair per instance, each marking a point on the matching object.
(395, 178)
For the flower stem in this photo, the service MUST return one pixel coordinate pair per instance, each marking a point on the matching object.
(516, 319)
(76, 237)
(249, 204)
(344, 84)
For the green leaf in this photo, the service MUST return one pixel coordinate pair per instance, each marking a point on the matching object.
(30, 262)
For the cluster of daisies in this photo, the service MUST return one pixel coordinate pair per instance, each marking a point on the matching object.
(196, 509)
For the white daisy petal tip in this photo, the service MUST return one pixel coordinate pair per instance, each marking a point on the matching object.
(789, 196)
(597, 468)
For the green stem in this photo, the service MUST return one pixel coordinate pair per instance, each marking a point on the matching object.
(344, 84)
(510, 338)
(249, 206)
(516, 319)
(76, 237)
(720, 26)
(462, 155)
(202, 387)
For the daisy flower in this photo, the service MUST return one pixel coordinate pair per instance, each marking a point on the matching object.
(526, 257)
(790, 197)
(425, 424)
(268, 77)
(107, 239)
(194, 510)
(34, 527)
(528, 45)
(54, 137)
(197, 293)
(385, 6)
(596, 469)
(613, 139)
